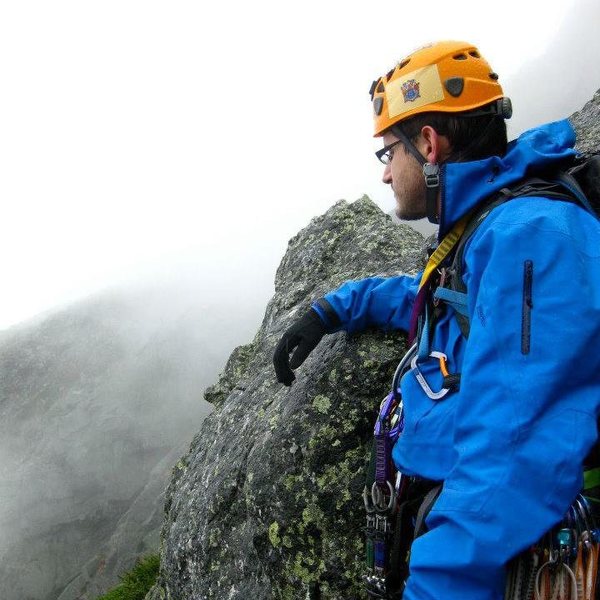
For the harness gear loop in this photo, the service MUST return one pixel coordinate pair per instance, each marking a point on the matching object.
(391, 500)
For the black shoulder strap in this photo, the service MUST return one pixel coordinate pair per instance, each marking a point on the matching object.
(456, 282)
(586, 173)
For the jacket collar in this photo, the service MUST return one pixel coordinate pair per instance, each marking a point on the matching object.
(465, 185)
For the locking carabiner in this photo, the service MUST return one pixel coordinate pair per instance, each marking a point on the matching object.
(423, 382)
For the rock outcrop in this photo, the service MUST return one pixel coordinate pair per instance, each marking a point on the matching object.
(587, 125)
(267, 504)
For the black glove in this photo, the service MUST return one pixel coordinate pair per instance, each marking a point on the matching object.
(304, 334)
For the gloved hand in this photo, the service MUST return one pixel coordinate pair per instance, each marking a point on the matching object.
(303, 335)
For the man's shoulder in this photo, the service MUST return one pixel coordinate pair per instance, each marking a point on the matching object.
(538, 213)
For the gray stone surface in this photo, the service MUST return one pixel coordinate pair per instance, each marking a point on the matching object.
(267, 504)
(587, 125)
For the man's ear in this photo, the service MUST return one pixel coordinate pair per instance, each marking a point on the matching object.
(436, 147)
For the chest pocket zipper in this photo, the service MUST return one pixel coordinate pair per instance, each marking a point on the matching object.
(527, 307)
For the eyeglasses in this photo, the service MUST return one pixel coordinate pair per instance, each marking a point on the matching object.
(385, 155)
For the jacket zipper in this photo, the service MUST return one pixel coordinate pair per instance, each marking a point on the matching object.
(527, 307)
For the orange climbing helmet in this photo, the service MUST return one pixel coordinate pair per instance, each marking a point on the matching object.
(442, 77)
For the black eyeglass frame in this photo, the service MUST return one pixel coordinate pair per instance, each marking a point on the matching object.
(383, 155)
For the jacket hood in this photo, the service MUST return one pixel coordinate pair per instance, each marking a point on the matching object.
(465, 185)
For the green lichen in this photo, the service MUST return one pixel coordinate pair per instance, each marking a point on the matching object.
(301, 571)
(274, 534)
(325, 434)
(273, 422)
(290, 481)
(351, 419)
(312, 514)
(288, 593)
(213, 538)
(322, 404)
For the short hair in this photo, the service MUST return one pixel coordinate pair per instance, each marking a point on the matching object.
(472, 137)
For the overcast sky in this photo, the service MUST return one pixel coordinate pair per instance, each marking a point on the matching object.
(157, 136)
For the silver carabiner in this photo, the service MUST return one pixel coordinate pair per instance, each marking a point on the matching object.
(423, 382)
(401, 368)
(368, 506)
(378, 498)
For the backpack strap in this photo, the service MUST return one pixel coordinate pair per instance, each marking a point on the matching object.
(457, 287)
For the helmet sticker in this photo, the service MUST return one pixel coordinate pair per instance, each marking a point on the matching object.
(410, 90)
(416, 89)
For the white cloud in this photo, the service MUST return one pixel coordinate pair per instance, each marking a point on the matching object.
(133, 131)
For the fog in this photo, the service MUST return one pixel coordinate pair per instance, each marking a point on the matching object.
(204, 136)
(97, 403)
(156, 160)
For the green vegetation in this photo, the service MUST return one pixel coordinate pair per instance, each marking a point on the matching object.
(135, 584)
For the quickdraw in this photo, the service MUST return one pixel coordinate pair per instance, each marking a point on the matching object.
(380, 497)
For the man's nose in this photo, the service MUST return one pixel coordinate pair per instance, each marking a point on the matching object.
(387, 174)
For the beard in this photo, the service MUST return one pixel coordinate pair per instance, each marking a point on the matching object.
(410, 206)
(405, 215)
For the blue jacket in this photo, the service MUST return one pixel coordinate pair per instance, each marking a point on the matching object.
(509, 445)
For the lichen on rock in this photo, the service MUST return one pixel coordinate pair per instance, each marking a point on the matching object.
(267, 504)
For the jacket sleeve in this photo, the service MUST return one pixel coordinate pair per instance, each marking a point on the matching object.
(529, 398)
(375, 301)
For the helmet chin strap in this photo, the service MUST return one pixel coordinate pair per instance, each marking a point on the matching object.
(431, 174)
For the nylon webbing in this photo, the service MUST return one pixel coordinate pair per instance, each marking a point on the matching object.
(442, 251)
(435, 260)
(457, 300)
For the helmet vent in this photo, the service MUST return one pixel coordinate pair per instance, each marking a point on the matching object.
(494, 76)
(403, 63)
(388, 75)
(474, 54)
(380, 88)
(460, 56)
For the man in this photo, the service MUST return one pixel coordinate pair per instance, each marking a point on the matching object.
(508, 437)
